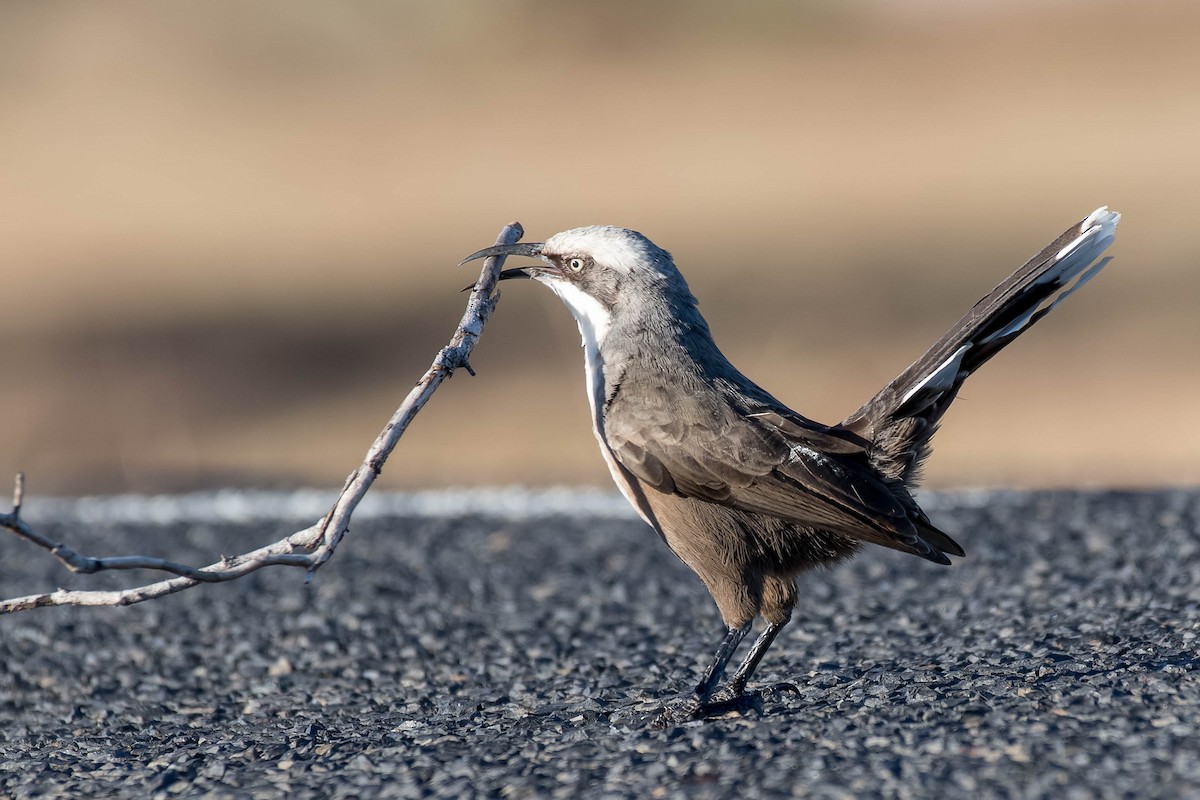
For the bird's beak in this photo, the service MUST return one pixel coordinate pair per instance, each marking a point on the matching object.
(531, 249)
(515, 272)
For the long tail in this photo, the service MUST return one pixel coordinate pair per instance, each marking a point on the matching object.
(902, 418)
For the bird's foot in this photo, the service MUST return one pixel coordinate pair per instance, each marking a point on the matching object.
(730, 697)
(690, 709)
(726, 700)
(736, 700)
(677, 712)
(731, 700)
(727, 695)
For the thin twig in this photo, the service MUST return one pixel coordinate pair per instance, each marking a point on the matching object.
(309, 548)
(18, 494)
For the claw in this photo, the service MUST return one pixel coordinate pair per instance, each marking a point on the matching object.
(677, 713)
(733, 704)
(726, 700)
(691, 709)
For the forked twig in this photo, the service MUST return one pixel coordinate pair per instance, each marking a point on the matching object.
(309, 548)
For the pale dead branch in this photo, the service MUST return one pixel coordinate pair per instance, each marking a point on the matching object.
(309, 548)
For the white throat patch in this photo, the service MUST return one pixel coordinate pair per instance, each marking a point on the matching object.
(594, 320)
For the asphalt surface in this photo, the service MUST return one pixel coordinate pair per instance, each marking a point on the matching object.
(450, 655)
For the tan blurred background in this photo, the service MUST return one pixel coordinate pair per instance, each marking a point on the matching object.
(229, 230)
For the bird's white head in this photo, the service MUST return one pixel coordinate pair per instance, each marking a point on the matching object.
(596, 271)
(617, 249)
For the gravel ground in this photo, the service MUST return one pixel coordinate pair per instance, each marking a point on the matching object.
(444, 654)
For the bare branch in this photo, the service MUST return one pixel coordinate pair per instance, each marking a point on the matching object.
(18, 493)
(309, 548)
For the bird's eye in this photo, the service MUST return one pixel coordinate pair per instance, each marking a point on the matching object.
(576, 264)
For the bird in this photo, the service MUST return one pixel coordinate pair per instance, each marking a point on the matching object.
(748, 493)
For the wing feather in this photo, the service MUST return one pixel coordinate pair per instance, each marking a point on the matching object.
(764, 460)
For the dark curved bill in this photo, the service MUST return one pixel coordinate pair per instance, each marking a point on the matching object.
(505, 275)
(509, 274)
(531, 249)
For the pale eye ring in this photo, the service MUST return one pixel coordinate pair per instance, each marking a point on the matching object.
(576, 264)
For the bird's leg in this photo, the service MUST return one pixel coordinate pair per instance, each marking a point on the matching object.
(737, 684)
(712, 675)
(691, 705)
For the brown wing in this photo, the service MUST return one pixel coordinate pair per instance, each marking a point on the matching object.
(765, 460)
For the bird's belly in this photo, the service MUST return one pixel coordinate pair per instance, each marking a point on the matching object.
(710, 537)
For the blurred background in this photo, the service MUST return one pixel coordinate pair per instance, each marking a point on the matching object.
(228, 231)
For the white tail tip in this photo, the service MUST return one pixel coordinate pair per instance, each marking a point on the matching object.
(1101, 217)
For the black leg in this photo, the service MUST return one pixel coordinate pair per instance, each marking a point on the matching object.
(712, 676)
(737, 684)
(681, 711)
